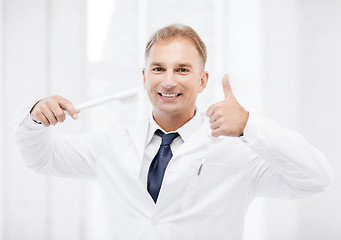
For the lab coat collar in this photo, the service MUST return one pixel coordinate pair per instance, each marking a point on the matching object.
(185, 131)
(200, 136)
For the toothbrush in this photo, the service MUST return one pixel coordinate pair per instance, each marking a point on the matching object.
(122, 96)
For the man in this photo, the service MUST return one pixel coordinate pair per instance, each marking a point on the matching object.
(181, 174)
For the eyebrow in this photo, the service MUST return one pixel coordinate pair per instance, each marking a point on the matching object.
(185, 65)
(155, 64)
(178, 64)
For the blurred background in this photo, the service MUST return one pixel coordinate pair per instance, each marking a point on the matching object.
(284, 61)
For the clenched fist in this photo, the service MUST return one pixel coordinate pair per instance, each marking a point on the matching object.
(227, 117)
(51, 110)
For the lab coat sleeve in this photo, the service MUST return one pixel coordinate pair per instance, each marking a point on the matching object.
(287, 166)
(46, 152)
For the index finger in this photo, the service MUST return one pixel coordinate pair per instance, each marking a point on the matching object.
(66, 105)
(210, 111)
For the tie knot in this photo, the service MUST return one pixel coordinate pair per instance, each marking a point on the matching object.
(167, 139)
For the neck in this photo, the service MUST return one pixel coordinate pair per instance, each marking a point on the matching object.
(172, 122)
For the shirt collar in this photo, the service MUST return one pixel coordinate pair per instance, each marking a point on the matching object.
(185, 131)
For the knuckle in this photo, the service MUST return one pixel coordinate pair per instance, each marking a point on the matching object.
(41, 109)
(63, 101)
(66, 103)
(43, 105)
(37, 110)
(220, 104)
(56, 96)
(60, 114)
(51, 103)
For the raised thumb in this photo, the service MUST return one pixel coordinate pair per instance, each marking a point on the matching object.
(226, 86)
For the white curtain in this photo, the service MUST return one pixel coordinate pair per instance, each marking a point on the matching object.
(283, 58)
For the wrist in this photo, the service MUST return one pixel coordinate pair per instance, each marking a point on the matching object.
(245, 122)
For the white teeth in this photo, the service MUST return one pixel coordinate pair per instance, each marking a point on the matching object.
(168, 95)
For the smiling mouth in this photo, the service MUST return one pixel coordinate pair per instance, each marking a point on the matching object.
(170, 95)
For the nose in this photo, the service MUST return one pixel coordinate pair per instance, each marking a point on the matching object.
(169, 80)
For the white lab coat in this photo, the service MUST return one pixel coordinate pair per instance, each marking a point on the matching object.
(267, 161)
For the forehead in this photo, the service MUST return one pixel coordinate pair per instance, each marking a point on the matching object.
(173, 49)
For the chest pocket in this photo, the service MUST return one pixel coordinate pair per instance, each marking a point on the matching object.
(209, 188)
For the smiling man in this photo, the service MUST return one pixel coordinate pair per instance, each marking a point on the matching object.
(180, 174)
(173, 77)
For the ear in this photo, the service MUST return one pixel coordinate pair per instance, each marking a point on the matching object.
(144, 76)
(203, 81)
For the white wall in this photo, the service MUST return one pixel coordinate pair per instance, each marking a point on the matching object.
(284, 61)
(320, 113)
(302, 58)
(280, 97)
(44, 53)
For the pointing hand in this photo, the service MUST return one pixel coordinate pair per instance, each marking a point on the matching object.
(227, 117)
(51, 110)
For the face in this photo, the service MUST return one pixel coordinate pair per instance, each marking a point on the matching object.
(173, 77)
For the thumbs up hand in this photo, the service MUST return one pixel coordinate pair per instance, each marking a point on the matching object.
(227, 117)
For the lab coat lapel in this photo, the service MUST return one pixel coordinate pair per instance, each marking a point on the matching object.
(138, 134)
(175, 179)
(199, 138)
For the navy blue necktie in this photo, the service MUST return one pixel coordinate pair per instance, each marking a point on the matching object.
(159, 164)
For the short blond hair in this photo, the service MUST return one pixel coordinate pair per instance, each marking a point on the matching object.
(174, 31)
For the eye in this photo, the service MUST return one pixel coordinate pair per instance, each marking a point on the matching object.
(183, 70)
(157, 69)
